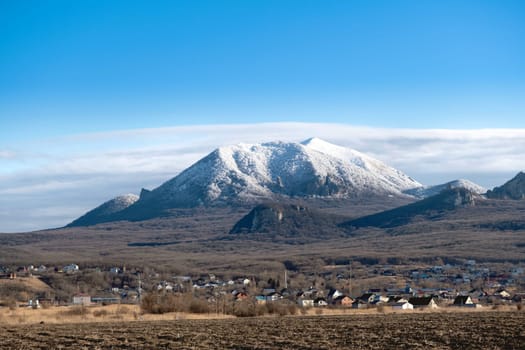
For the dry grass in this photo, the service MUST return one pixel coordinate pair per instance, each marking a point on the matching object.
(129, 313)
(89, 314)
(32, 283)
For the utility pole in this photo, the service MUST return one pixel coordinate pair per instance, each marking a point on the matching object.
(349, 277)
(140, 289)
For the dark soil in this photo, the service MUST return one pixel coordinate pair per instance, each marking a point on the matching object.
(473, 330)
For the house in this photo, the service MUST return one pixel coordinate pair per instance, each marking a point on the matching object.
(502, 293)
(273, 296)
(70, 268)
(343, 300)
(463, 300)
(115, 270)
(379, 299)
(306, 302)
(396, 299)
(240, 295)
(402, 305)
(423, 302)
(359, 304)
(334, 293)
(367, 298)
(268, 291)
(260, 299)
(33, 305)
(106, 300)
(81, 299)
(320, 302)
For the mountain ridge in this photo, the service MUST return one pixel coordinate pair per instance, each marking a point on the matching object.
(512, 189)
(250, 174)
(447, 200)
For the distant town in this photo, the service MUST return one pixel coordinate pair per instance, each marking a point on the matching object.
(466, 285)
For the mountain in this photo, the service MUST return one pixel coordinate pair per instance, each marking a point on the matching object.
(428, 191)
(287, 220)
(248, 174)
(104, 212)
(427, 208)
(512, 189)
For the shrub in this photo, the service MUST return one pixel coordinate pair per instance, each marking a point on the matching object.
(123, 310)
(100, 313)
(244, 309)
(75, 311)
(199, 306)
(292, 309)
(160, 303)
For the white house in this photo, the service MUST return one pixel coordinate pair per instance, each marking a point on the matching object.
(81, 299)
(70, 268)
(402, 306)
(306, 302)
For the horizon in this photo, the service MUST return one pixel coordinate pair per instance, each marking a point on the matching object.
(55, 196)
(103, 98)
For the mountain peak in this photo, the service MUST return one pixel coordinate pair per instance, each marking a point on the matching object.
(315, 141)
(319, 145)
(428, 191)
(247, 174)
(512, 189)
(104, 212)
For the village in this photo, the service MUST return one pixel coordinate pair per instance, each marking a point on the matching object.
(467, 285)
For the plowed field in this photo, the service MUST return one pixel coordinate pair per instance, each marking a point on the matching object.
(469, 330)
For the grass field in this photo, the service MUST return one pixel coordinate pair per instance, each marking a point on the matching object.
(413, 330)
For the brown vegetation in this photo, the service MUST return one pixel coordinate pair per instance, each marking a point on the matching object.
(187, 244)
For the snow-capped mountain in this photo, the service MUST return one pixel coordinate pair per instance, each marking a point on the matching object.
(105, 211)
(427, 191)
(249, 173)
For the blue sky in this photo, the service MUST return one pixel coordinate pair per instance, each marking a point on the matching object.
(70, 70)
(78, 66)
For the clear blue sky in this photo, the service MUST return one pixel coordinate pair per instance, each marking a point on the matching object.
(82, 66)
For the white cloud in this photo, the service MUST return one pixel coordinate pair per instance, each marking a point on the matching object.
(82, 171)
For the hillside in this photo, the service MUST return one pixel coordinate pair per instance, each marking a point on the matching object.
(426, 209)
(105, 211)
(512, 189)
(274, 220)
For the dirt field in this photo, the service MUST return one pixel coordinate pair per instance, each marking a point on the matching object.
(470, 330)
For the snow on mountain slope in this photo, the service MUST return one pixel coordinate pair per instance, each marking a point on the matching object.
(383, 173)
(105, 211)
(427, 191)
(248, 173)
